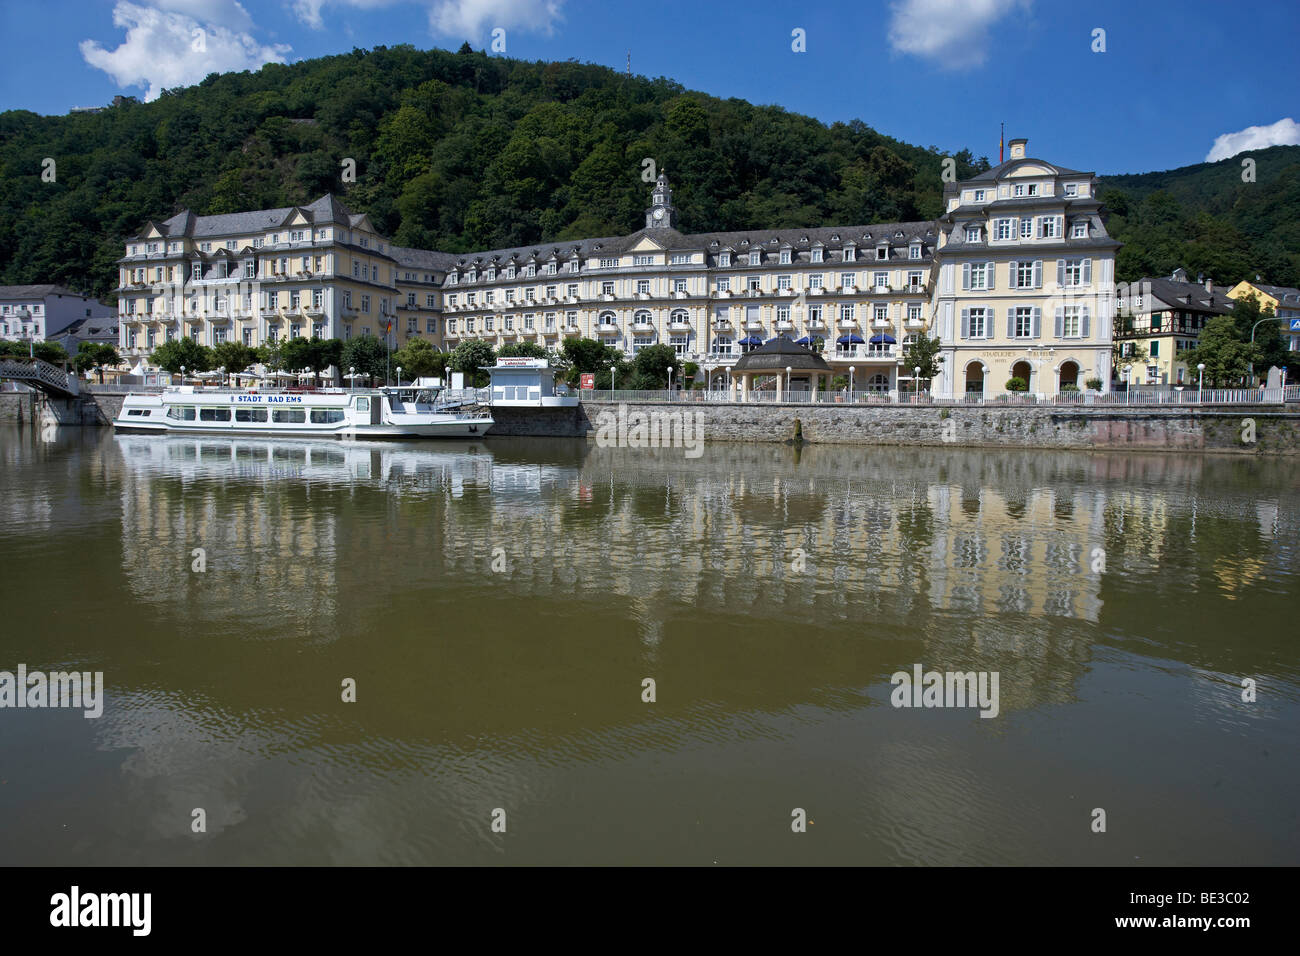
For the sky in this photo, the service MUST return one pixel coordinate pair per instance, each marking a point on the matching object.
(1112, 86)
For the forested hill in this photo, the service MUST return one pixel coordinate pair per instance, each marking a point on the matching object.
(461, 151)
(1207, 219)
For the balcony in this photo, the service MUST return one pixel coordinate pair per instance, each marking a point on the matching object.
(785, 326)
(881, 323)
(754, 324)
(608, 328)
(816, 290)
(816, 324)
(787, 291)
(722, 294)
(847, 324)
(679, 325)
(914, 325)
(681, 294)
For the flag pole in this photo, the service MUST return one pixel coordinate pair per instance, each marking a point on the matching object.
(1002, 136)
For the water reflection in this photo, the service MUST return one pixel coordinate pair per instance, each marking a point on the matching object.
(500, 602)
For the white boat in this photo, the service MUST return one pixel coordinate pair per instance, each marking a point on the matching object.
(383, 413)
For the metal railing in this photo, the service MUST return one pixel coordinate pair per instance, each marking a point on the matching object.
(1188, 397)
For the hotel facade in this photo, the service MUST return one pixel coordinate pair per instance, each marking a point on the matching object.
(1016, 277)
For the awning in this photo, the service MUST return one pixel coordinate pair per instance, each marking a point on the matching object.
(883, 340)
(806, 340)
(849, 340)
(752, 340)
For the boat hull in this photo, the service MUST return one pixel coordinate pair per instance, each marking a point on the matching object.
(476, 428)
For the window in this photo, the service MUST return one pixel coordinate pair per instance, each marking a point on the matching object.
(248, 337)
(847, 312)
(815, 280)
(607, 288)
(181, 413)
(1022, 322)
(914, 312)
(609, 263)
(642, 286)
(1074, 272)
(431, 326)
(880, 313)
(641, 318)
(214, 414)
(817, 255)
(1006, 229)
(915, 280)
(430, 300)
(680, 258)
(552, 268)
(882, 252)
(755, 257)
(365, 303)
(914, 251)
(1155, 348)
(880, 280)
(289, 416)
(979, 195)
(1026, 228)
(326, 416)
(814, 315)
(530, 271)
(571, 290)
(250, 415)
(723, 284)
(1027, 275)
(848, 280)
(754, 283)
(973, 233)
(978, 276)
(1079, 230)
(783, 282)
(643, 260)
(976, 326)
(573, 265)
(640, 342)
(1049, 227)
(785, 257)
(1071, 190)
(679, 285)
(850, 254)
(1070, 322)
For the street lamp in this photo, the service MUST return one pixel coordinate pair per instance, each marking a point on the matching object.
(1200, 384)
(182, 374)
(916, 385)
(399, 376)
(670, 378)
(788, 370)
(851, 370)
(352, 378)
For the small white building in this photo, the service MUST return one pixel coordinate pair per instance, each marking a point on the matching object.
(41, 312)
(525, 382)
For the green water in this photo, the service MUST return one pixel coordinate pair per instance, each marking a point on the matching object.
(499, 605)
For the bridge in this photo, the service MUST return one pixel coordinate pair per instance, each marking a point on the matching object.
(41, 375)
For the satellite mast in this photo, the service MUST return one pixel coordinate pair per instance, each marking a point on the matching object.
(629, 62)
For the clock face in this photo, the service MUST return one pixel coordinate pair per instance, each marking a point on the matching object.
(659, 213)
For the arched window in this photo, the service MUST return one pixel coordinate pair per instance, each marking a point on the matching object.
(679, 316)
(642, 317)
(608, 318)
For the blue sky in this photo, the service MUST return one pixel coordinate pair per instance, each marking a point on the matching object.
(1179, 80)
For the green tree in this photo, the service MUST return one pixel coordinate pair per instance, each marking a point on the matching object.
(418, 358)
(183, 353)
(1226, 358)
(651, 365)
(367, 355)
(924, 354)
(1270, 346)
(1125, 353)
(234, 357)
(588, 355)
(51, 352)
(471, 358)
(523, 350)
(96, 355)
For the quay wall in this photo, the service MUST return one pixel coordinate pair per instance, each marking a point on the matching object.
(1223, 428)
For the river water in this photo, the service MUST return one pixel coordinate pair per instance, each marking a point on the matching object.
(499, 607)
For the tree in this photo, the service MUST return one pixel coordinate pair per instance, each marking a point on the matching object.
(96, 355)
(183, 353)
(1125, 353)
(471, 358)
(51, 352)
(367, 355)
(588, 355)
(234, 357)
(418, 358)
(523, 350)
(1226, 358)
(1271, 347)
(651, 365)
(924, 354)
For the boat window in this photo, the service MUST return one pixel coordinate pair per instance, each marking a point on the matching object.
(250, 414)
(292, 416)
(363, 404)
(182, 413)
(326, 416)
(138, 411)
(214, 414)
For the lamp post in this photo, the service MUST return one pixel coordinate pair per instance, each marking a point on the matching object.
(399, 376)
(916, 385)
(788, 370)
(1200, 383)
(1271, 318)
(670, 378)
(352, 378)
(182, 374)
(612, 371)
(851, 371)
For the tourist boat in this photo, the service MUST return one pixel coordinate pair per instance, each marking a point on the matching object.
(382, 413)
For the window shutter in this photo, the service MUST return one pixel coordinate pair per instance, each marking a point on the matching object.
(1038, 322)
(1087, 271)
(965, 276)
(990, 322)
(1084, 328)
(1011, 322)
(1015, 272)
(991, 271)
(1060, 321)
(965, 323)
(1038, 273)
(1060, 272)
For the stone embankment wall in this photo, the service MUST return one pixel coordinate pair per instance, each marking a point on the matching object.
(1235, 429)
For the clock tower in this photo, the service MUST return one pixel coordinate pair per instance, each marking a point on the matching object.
(661, 214)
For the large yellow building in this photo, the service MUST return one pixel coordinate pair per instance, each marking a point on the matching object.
(1026, 280)
(1023, 266)
(1284, 301)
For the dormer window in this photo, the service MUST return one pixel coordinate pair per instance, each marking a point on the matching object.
(724, 258)
(914, 251)
(817, 254)
(850, 254)
(882, 252)
(973, 233)
(755, 257)
(552, 268)
(785, 257)
(510, 272)
(1071, 190)
(979, 195)
(530, 271)
(1079, 230)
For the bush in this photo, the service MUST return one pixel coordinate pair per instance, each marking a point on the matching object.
(1094, 384)
(1017, 384)
(1070, 388)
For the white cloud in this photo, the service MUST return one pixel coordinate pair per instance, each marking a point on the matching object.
(309, 11)
(473, 19)
(953, 33)
(179, 42)
(1285, 132)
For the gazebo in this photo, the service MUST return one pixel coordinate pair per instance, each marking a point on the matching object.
(773, 358)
